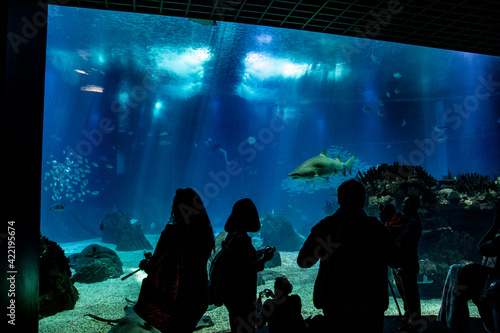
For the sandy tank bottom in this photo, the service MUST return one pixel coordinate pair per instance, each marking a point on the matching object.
(108, 299)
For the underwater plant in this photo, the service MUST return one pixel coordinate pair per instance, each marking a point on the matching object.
(386, 179)
(474, 183)
(56, 290)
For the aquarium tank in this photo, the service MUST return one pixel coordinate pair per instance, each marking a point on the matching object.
(137, 106)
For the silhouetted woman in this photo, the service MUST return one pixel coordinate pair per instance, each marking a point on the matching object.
(489, 246)
(241, 289)
(174, 296)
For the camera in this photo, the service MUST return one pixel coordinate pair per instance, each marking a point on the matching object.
(266, 293)
(269, 249)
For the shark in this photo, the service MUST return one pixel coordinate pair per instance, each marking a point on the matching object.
(322, 166)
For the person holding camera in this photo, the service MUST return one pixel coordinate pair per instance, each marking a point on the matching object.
(281, 311)
(174, 295)
(241, 287)
(406, 275)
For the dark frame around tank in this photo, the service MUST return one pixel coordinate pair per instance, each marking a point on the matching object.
(24, 72)
(25, 33)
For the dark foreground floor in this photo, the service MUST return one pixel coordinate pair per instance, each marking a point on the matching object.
(430, 325)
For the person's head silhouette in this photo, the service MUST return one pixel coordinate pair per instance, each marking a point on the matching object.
(244, 217)
(351, 194)
(411, 205)
(282, 285)
(187, 208)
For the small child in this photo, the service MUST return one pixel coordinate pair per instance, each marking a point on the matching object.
(393, 221)
(281, 311)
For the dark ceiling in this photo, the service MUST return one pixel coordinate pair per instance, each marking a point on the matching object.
(472, 26)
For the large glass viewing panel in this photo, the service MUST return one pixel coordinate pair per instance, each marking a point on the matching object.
(139, 105)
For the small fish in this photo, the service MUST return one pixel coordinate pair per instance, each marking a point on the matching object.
(367, 109)
(109, 166)
(374, 58)
(397, 91)
(94, 192)
(440, 128)
(403, 123)
(388, 94)
(397, 75)
(57, 207)
(95, 164)
(251, 140)
(381, 113)
(380, 102)
(163, 139)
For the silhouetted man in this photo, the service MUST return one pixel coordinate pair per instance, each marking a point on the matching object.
(354, 251)
(406, 276)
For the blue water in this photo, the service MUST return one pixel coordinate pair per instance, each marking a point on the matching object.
(137, 106)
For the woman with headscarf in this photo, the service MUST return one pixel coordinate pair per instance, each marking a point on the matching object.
(241, 288)
(174, 296)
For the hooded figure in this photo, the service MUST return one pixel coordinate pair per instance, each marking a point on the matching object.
(241, 288)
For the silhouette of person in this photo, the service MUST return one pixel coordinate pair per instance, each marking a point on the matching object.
(489, 246)
(282, 312)
(393, 221)
(174, 295)
(406, 276)
(354, 251)
(241, 288)
(475, 282)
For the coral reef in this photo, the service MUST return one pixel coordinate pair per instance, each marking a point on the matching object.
(469, 183)
(392, 183)
(470, 191)
(57, 292)
(456, 211)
